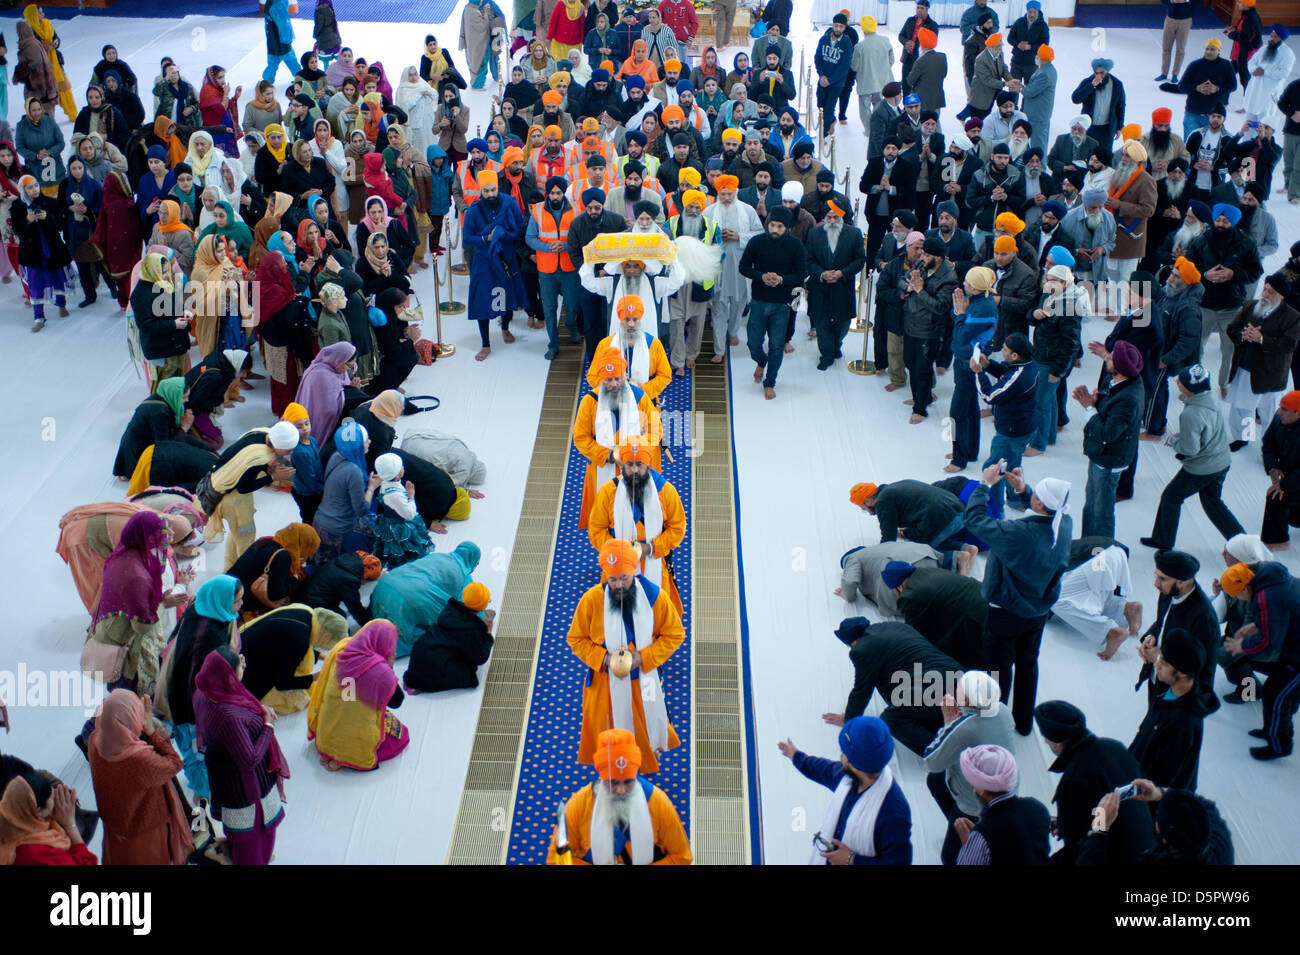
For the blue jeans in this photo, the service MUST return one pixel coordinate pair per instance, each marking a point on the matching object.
(1099, 501)
(771, 319)
(1011, 450)
(1045, 411)
(195, 765)
(273, 65)
(552, 286)
(1191, 123)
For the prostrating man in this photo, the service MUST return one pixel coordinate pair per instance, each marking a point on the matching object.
(860, 569)
(1095, 591)
(447, 655)
(1012, 830)
(1168, 742)
(623, 629)
(1264, 336)
(916, 511)
(644, 355)
(641, 506)
(906, 669)
(868, 821)
(737, 223)
(622, 818)
(774, 264)
(946, 608)
(1022, 579)
(615, 410)
(836, 258)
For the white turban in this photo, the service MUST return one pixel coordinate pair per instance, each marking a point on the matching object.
(980, 690)
(1248, 549)
(1081, 120)
(388, 466)
(1053, 492)
(284, 436)
(962, 140)
(792, 192)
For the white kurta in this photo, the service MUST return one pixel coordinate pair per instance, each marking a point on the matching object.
(658, 283)
(740, 217)
(1088, 602)
(1262, 91)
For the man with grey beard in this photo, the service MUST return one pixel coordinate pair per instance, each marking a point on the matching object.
(1172, 197)
(1132, 201)
(622, 818)
(736, 223)
(1194, 223)
(1092, 226)
(1256, 221)
(1264, 336)
(1072, 148)
(835, 259)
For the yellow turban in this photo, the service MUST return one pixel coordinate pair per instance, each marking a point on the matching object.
(690, 175)
(731, 135)
(558, 77)
(868, 24)
(693, 196)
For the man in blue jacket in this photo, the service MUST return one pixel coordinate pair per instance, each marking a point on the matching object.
(279, 39)
(1022, 580)
(832, 59)
(1013, 400)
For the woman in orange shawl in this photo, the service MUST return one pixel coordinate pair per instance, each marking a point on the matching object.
(165, 130)
(175, 234)
(133, 765)
(638, 64)
(269, 226)
(38, 824)
(216, 291)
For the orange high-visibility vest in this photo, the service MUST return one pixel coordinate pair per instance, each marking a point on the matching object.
(548, 230)
(544, 167)
(468, 183)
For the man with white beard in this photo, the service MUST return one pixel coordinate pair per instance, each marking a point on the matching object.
(1172, 196)
(1092, 226)
(835, 259)
(624, 629)
(640, 505)
(1269, 68)
(1073, 147)
(737, 223)
(649, 281)
(623, 818)
(1181, 239)
(1256, 221)
(1264, 335)
(1018, 141)
(998, 125)
(647, 362)
(1132, 201)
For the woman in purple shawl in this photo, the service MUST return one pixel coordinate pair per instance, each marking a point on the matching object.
(359, 670)
(383, 86)
(246, 768)
(321, 388)
(127, 636)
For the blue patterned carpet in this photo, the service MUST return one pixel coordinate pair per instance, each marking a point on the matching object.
(432, 12)
(549, 771)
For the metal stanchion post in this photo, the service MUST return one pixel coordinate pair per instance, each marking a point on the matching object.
(445, 349)
(454, 242)
(450, 306)
(862, 366)
(858, 324)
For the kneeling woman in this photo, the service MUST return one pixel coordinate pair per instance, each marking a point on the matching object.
(279, 653)
(348, 716)
(244, 762)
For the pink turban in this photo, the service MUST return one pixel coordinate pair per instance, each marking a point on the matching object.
(990, 768)
(914, 237)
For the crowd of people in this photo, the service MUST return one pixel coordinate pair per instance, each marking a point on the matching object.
(635, 188)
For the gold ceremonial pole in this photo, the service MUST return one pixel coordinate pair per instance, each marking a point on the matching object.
(445, 349)
(857, 325)
(450, 306)
(862, 366)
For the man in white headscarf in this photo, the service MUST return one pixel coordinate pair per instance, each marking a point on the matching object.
(1022, 579)
(737, 223)
(1094, 598)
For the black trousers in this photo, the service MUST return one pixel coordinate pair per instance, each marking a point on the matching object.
(845, 92)
(918, 356)
(89, 273)
(913, 726)
(877, 226)
(307, 505)
(1158, 407)
(831, 330)
(1278, 514)
(938, 787)
(1182, 486)
(595, 322)
(1281, 699)
(1010, 654)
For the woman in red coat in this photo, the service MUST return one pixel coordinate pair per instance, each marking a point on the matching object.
(118, 235)
(38, 824)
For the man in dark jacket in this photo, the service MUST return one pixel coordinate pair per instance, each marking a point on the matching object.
(1015, 291)
(1229, 264)
(1272, 630)
(1264, 336)
(1281, 453)
(887, 336)
(945, 607)
(1101, 97)
(912, 510)
(888, 184)
(1187, 829)
(960, 248)
(1182, 606)
(774, 264)
(337, 584)
(1137, 325)
(993, 191)
(1110, 435)
(818, 201)
(1047, 233)
(1090, 767)
(1057, 344)
(884, 118)
(1014, 402)
(1027, 34)
(907, 671)
(1178, 313)
(595, 220)
(1206, 82)
(927, 311)
(1168, 742)
(447, 655)
(836, 258)
(831, 60)
(1022, 579)
(1012, 830)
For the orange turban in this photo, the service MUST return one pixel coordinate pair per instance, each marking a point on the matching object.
(1046, 53)
(617, 755)
(610, 364)
(1131, 131)
(927, 38)
(488, 177)
(674, 65)
(994, 39)
(475, 596)
(1010, 223)
(1188, 272)
(619, 557)
(635, 448)
(727, 181)
(833, 206)
(552, 98)
(1248, 3)
(1004, 243)
(1291, 401)
(512, 154)
(1235, 579)
(294, 413)
(607, 65)
(631, 305)
(371, 566)
(552, 132)
(861, 493)
(591, 142)
(674, 112)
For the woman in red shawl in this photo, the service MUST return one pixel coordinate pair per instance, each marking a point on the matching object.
(567, 27)
(348, 716)
(133, 766)
(220, 107)
(275, 294)
(379, 183)
(246, 768)
(11, 170)
(118, 234)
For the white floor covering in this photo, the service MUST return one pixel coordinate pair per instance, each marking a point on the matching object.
(66, 399)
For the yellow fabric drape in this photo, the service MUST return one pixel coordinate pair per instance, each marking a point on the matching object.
(344, 729)
(140, 476)
(44, 31)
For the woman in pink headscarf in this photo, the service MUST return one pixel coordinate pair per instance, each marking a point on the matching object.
(358, 670)
(321, 388)
(246, 769)
(133, 766)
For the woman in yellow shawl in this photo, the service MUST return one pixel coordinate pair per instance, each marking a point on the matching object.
(348, 716)
(268, 226)
(44, 31)
(216, 294)
(254, 461)
(174, 234)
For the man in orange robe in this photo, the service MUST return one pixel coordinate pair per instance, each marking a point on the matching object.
(624, 819)
(616, 408)
(641, 506)
(623, 630)
(644, 355)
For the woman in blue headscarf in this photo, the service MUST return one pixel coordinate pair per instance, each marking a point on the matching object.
(341, 519)
(413, 595)
(209, 622)
(153, 187)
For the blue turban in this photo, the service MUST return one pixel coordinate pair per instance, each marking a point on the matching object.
(157, 152)
(685, 86)
(912, 99)
(794, 113)
(1280, 30)
(1101, 63)
(1054, 207)
(600, 75)
(1199, 209)
(592, 195)
(1228, 211)
(852, 628)
(1061, 256)
(895, 572)
(1034, 5)
(477, 144)
(867, 743)
(634, 82)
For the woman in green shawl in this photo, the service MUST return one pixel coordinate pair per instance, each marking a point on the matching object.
(160, 417)
(230, 227)
(413, 595)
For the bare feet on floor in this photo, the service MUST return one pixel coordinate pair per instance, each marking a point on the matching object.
(916, 419)
(716, 359)
(789, 348)
(1285, 545)
(437, 527)
(758, 374)
(965, 559)
(1031, 453)
(907, 401)
(507, 336)
(952, 469)
(1115, 637)
(769, 393)
(892, 387)
(679, 372)
(690, 363)
(483, 353)
(733, 340)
